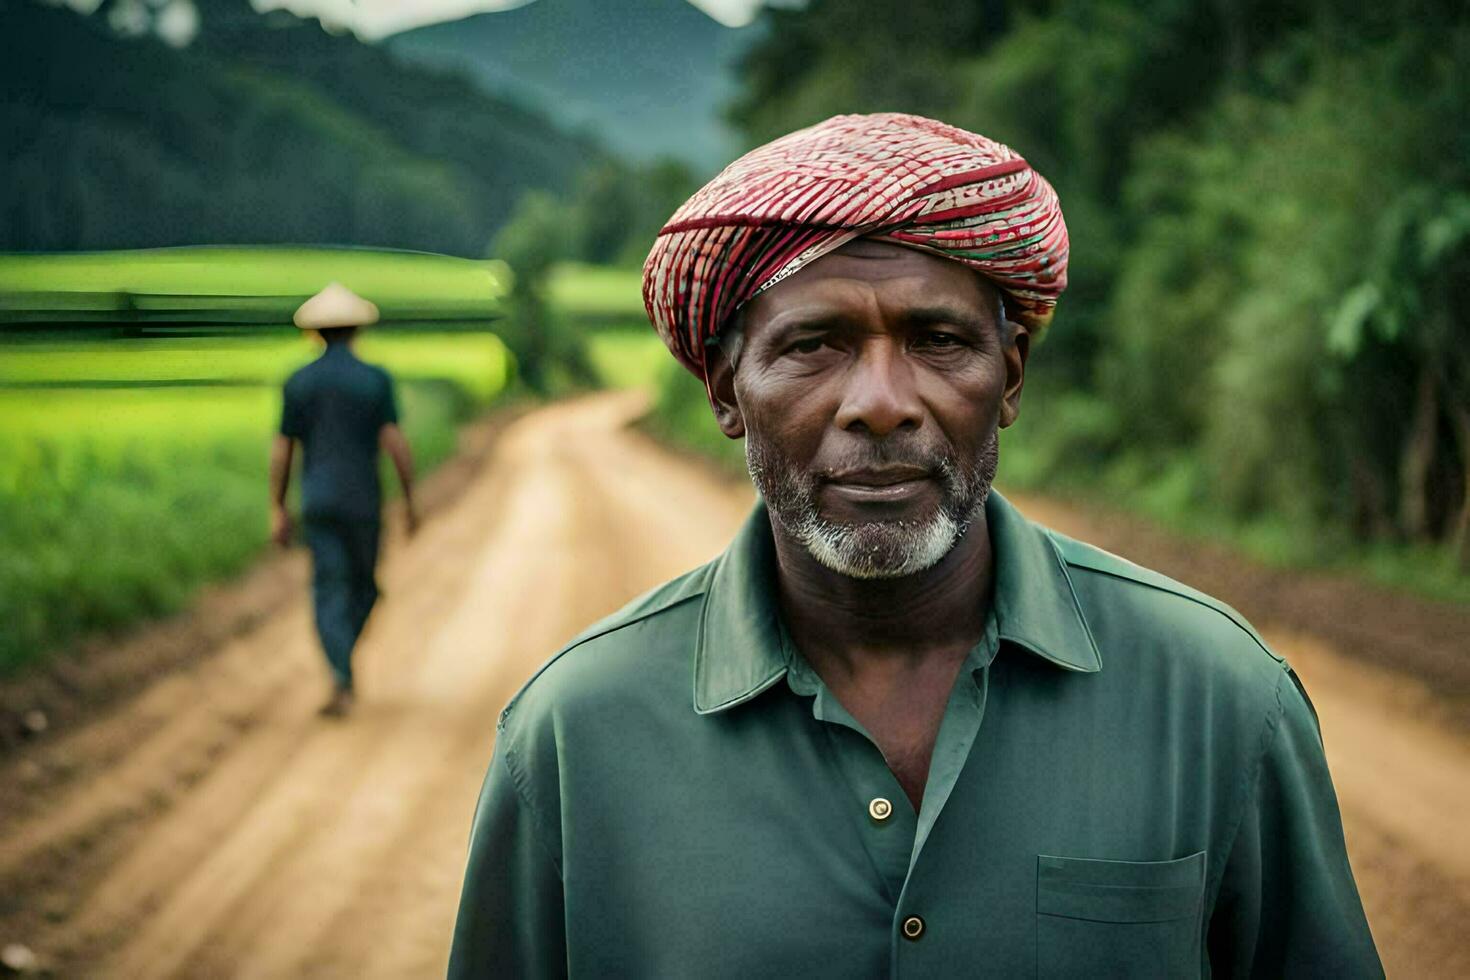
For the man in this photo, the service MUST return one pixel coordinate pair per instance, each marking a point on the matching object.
(898, 729)
(342, 411)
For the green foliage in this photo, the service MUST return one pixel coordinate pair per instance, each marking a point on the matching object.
(616, 209)
(560, 249)
(535, 238)
(681, 415)
(549, 350)
(1059, 430)
(633, 356)
(1263, 293)
(1420, 233)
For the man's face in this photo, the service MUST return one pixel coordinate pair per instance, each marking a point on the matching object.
(870, 387)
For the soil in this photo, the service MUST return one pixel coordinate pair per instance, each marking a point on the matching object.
(186, 813)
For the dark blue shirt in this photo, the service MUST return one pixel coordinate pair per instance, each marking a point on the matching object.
(336, 406)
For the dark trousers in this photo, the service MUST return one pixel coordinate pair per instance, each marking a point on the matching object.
(343, 556)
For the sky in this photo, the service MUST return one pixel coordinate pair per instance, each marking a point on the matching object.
(374, 19)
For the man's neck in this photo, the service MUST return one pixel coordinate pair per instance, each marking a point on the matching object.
(852, 624)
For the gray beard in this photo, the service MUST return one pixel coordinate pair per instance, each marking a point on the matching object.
(872, 549)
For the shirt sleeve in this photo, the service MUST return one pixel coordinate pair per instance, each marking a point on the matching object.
(1288, 904)
(293, 412)
(511, 919)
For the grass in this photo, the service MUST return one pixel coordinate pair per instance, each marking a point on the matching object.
(116, 504)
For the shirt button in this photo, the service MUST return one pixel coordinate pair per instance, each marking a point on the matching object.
(880, 809)
(913, 927)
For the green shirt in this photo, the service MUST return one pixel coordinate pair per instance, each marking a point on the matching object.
(1126, 782)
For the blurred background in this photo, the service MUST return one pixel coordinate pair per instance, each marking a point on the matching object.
(1258, 380)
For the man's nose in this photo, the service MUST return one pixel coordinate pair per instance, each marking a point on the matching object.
(880, 393)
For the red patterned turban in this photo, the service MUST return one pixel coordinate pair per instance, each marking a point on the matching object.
(890, 176)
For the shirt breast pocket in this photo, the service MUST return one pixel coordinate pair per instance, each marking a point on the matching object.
(1118, 918)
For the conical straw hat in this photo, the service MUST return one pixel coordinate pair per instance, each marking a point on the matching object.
(335, 306)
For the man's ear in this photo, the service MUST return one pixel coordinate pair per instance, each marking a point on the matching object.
(1017, 349)
(720, 387)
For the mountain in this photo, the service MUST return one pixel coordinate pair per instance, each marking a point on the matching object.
(266, 129)
(648, 77)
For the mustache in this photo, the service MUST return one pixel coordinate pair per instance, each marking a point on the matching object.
(881, 455)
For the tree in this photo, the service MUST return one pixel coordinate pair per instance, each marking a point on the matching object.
(1415, 298)
(539, 234)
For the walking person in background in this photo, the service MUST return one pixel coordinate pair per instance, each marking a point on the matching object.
(342, 411)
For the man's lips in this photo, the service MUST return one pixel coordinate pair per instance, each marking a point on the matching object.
(887, 484)
(876, 477)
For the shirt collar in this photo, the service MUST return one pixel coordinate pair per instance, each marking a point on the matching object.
(738, 650)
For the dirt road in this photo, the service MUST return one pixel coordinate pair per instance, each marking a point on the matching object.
(213, 826)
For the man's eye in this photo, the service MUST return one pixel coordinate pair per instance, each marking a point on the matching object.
(807, 345)
(941, 340)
